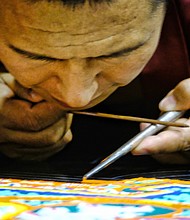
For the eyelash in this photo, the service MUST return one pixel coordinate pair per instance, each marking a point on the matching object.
(115, 56)
(125, 54)
(48, 60)
(43, 59)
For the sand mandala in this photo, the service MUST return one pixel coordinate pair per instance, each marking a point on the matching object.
(139, 198)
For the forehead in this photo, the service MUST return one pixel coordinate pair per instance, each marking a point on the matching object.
(57, 25)
(65, 17)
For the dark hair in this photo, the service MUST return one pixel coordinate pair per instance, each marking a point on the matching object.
(81, 2)
(72, 3)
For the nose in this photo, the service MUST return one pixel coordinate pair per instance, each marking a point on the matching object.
(74, 82)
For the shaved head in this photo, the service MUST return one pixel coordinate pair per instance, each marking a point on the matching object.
(78, 52)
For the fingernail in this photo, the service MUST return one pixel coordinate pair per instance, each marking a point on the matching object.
(140, 151)
(6, 92)
(168, 103)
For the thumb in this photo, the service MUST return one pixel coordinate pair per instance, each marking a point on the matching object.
(178, 98)
(5, 92)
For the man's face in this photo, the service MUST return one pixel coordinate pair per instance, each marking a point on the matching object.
(77, 57)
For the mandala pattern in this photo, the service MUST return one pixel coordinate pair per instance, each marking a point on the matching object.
(139, 198)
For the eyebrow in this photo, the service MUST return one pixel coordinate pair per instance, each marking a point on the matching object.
(35, 56)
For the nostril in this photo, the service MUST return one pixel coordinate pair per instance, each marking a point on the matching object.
(98, 75)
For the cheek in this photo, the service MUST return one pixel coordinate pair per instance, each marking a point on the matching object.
(124, 72)
(27, 75)
(22, 75)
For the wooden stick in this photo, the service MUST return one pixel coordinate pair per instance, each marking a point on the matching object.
(131, 118)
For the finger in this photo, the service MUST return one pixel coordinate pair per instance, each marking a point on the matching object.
(144, 125)
(8, 79)
(16, 151)
(27, 93)
(178, 98)
(5, 93)
(48, 136)
(22, 115)
(69, 119)
(68, 137)
(171, 140)
(19, 90)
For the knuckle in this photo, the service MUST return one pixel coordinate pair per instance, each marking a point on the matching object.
(55, 135)
(182, 139)
(185, 144)
(183, 88)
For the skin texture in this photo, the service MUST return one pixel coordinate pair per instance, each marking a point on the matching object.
(176, 139)
(79, 76)
(56, 66)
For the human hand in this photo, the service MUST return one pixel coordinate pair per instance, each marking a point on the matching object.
(173, 141)
(30, 127)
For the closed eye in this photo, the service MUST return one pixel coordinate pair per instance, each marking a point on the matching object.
(33, 56)
(122, 52)
(41, 57)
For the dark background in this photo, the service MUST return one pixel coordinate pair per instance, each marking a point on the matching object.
(94, 139)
